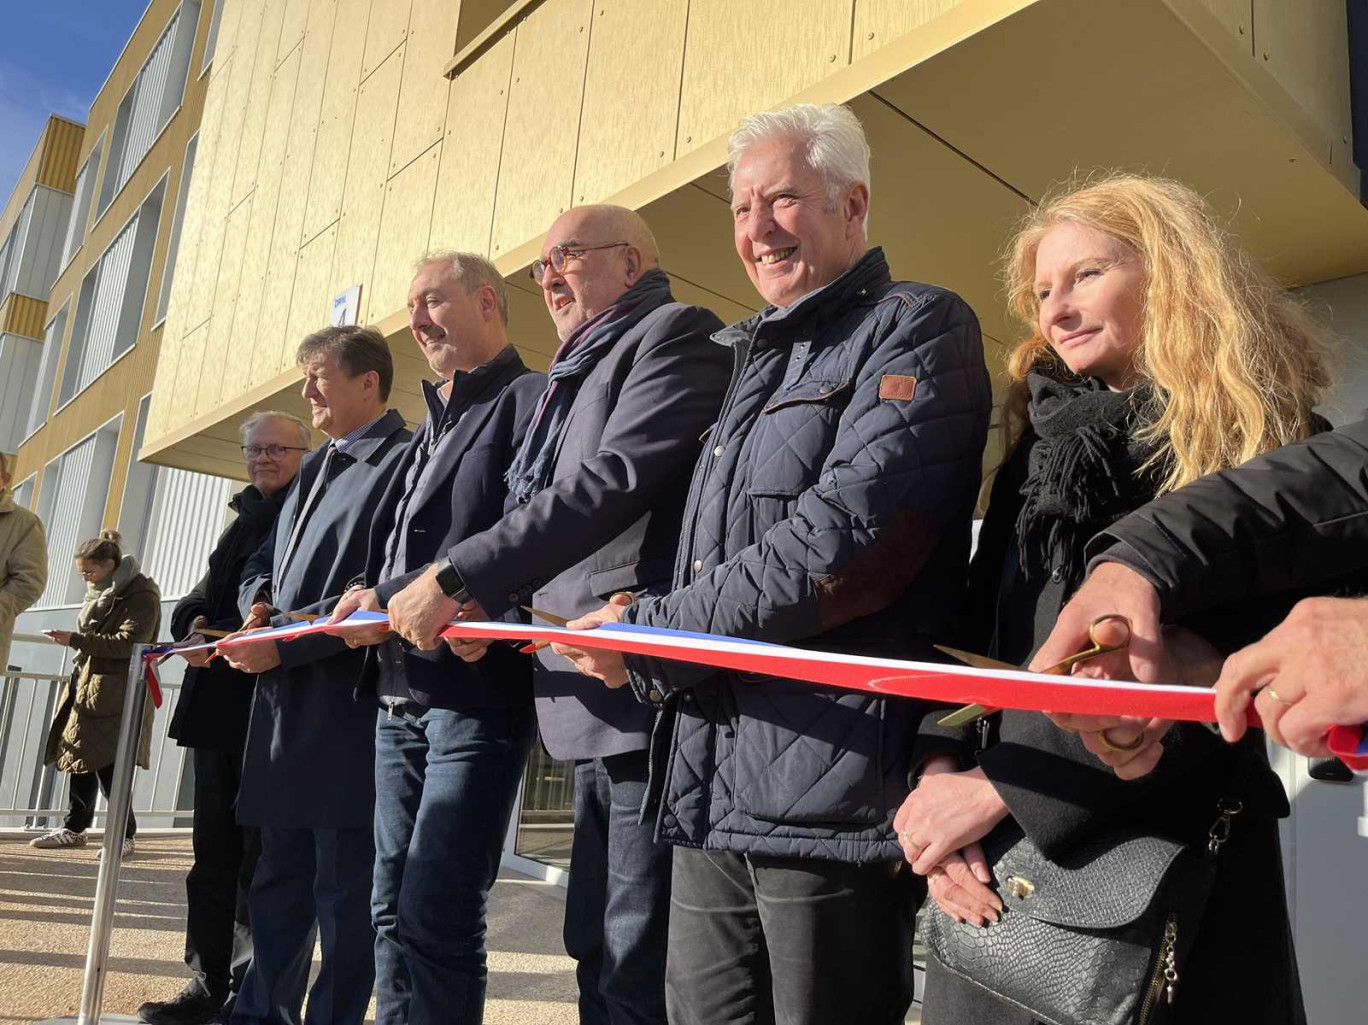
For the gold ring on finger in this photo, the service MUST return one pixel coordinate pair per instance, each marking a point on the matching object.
(1274, 695)
(1112, 745)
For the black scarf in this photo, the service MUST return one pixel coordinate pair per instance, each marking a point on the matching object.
(1083, 471)
(255, 509)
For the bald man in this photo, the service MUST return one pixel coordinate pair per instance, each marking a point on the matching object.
(596, 493)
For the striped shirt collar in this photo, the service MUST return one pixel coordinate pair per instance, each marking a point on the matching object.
(346, 442)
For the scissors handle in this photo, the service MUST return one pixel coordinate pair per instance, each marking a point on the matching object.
(971, 713)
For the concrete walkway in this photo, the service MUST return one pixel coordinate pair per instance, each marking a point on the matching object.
(46, 901)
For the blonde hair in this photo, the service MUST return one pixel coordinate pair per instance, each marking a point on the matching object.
(1233, 363)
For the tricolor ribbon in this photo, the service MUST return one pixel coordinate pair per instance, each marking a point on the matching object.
(928, 681)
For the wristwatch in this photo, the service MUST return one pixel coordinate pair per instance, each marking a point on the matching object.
(449, 580)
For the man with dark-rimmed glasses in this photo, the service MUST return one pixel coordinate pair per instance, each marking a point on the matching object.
(596, 489)
(211, 719)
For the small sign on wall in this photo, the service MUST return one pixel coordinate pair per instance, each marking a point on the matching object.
(346, 306)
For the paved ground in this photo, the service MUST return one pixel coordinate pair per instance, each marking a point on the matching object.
(46, 900)
(45, 906)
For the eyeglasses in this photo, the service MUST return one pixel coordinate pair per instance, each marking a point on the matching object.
(559, 255)
(274, 451)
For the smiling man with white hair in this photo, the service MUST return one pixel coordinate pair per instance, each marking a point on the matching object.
(831, 508)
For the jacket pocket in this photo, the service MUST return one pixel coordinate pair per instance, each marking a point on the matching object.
(807, 755)
(794, 433)
(632, 576)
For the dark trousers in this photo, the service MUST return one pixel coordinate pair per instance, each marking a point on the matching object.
(793, 941)
(308, 876)
(445, 783)
(617, 906)
(218, 937)
(81, 800)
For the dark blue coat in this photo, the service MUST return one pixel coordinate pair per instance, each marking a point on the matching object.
(462, 495)
(310, 758)
(831, 508)
(609, 520)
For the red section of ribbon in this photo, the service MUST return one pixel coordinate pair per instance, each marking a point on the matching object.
(153, 680)
(1350, 745)
(963, 687)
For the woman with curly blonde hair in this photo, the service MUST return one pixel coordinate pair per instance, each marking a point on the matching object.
(1155, 352)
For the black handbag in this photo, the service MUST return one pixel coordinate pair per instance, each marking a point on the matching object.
(1098, 938)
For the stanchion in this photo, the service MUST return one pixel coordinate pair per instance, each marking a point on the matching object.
(107, 882)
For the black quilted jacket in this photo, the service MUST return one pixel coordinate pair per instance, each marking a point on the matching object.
(831, 508)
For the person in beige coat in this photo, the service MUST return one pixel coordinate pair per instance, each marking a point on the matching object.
(23, 560)
(122, 608)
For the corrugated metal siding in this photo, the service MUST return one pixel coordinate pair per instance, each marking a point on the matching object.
(188, 513)
(45, 227)
(85, 188)
(61, 507)
(14, 249)
(110, 285)
(47, 371)
(145, 120)
(61, 155)
(19, 359)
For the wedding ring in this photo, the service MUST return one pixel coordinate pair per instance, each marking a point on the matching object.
(1274, 695)
(1112, 745)
(910, 840)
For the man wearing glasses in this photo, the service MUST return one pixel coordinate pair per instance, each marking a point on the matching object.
(211, 720)
(597, 487)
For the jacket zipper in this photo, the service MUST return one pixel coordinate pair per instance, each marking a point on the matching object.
(1164, 978)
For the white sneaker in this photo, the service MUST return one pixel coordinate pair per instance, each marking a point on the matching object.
(61, 837)
(128, 848)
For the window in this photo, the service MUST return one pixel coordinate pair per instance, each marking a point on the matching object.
(212, 41)
(171, 518)
(23, 493)
(19, 359)
(110, 305)
(47, 370)
(80, 210)
(71, 506)
(173, 246)
(28, 258)
(149, 103)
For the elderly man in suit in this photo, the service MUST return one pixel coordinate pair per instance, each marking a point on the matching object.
(211, 719)
(308, 772)
(452, 737)
(599, 483)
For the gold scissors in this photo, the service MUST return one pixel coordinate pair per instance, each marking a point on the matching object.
(551, 618)
(969, 713)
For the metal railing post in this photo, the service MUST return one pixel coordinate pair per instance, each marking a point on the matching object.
(120, 801)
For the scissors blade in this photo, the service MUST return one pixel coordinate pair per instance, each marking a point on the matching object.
(549, 617)
(977, 661)
(969, 713)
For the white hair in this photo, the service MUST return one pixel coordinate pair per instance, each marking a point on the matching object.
(258, 418)
(473, 272)
(830, 135)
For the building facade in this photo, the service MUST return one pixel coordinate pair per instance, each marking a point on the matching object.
(337, 140)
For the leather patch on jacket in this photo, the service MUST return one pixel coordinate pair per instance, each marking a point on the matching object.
(897, 387)
(877, 576)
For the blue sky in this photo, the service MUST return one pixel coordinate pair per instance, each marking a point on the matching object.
(54, 56)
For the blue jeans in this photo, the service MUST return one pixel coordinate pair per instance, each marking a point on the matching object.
(444, 788)
(617, 906)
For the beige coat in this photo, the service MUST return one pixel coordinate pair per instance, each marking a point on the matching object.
(85, 731)
(23, 565)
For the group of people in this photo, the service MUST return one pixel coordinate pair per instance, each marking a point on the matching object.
(748, 848)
